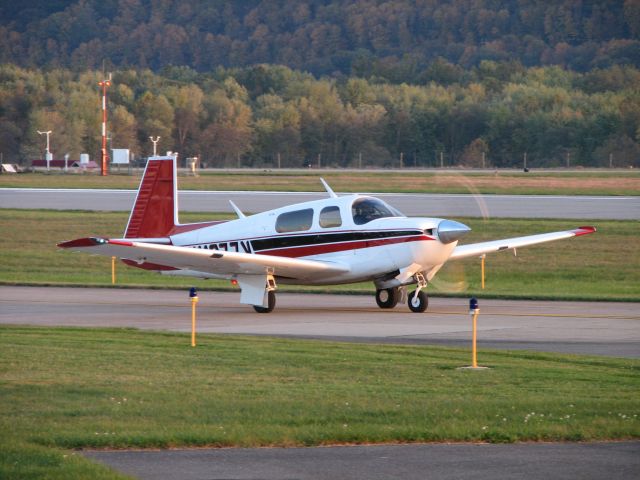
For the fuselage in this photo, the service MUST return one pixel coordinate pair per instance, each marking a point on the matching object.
(374, 240)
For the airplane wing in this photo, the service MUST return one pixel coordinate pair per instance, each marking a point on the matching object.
(217, 262)
(476, 249)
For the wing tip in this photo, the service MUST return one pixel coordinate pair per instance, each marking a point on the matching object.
(82, 242)
(584, 230)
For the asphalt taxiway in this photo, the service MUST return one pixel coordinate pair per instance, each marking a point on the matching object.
(598, 328)
(411, 204)
(570, 461)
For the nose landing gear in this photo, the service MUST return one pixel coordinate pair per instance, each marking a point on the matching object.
(418, 300)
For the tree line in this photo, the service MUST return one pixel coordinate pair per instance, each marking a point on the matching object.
(269, 115)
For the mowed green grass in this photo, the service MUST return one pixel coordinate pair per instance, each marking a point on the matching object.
(107, 388)
(603, 265)
(25, 461)
(573, 182)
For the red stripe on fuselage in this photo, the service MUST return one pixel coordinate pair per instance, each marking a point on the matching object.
(308, 250)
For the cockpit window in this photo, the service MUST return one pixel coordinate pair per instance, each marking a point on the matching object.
(366, 209)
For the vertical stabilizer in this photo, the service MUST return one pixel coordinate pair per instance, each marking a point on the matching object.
(155, 211)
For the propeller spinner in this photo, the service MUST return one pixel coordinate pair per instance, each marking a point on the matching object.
(450, 231)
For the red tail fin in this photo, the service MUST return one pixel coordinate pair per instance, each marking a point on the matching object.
(155, 211)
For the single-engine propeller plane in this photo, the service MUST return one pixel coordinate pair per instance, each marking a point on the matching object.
(336, 240)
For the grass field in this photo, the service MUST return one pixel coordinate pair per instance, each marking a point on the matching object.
(72, 388)
(622, 182)
(604, 265)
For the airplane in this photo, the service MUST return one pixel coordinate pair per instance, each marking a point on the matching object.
(336, 240)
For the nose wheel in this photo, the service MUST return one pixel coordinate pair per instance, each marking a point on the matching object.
(418, 301)
(387, 297)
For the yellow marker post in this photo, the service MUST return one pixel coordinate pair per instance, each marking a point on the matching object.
(482, 268)
(474, 311)
(474, 348)
(193, 295)
(113, 270)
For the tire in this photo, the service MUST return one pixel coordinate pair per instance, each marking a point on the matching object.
(387, 297)
(422, 302)
(271, 303)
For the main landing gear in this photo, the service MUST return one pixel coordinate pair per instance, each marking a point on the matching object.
(417, 300)
(270, 292)
(271, 303)
(388, 297)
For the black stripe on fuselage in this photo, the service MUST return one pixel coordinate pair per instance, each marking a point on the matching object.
(324, 238)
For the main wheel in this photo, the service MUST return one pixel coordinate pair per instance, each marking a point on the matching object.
(387, 297)
(271, 303)
(419, 303)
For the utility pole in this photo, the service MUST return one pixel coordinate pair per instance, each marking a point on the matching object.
(611, 160)
(105, 157)
(525, 161)
(47, 154)
(155, 144)
(483, 157)
(278, 160)
(401, 160)
(319, 160)
(360, 160)
(441, 159)
(568, 159)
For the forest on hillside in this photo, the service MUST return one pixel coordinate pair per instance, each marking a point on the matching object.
(392, 39)
(326, 82)
(264, 115)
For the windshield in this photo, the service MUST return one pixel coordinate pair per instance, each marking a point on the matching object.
(366, 209)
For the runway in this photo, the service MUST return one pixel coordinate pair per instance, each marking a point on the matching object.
(411, 204)
(594, 328)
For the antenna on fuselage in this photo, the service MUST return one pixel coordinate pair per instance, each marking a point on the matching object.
(237, 210)
(331, 193)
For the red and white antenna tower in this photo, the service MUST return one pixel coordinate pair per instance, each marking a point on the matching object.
(105, 156)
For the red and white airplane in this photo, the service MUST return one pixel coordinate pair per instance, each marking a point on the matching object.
(337, 240)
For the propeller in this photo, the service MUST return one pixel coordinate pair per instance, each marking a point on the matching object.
(453, 276)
